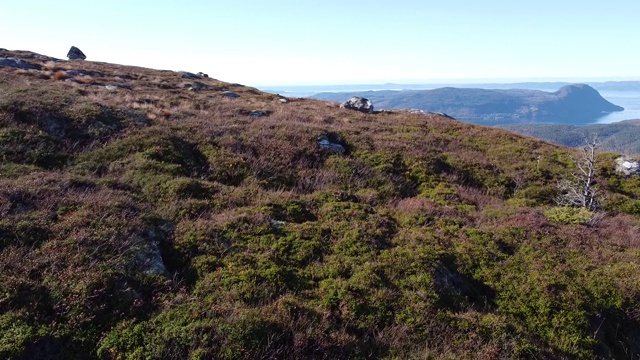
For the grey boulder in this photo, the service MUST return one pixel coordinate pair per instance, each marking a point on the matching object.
(627, 166)
(359, 104)
(230, 94)
(325, 144)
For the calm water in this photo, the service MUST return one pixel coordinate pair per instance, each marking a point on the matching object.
(630, 100)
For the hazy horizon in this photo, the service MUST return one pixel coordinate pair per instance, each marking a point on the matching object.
(465, 81)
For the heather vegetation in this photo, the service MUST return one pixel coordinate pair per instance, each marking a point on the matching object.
(152, 221)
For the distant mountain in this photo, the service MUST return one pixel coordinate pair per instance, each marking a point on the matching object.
(571, 104)
(600, 86)
(621, 137)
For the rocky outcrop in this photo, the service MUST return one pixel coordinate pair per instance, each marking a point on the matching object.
(18, 64)
(44, 57)
(76, 54)
(74, 73)
(445, 115)
(407, 111)
(197, 86)
(627, 166)
(188, 75)
(359, 104)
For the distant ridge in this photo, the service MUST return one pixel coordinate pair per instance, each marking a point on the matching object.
(572, 104)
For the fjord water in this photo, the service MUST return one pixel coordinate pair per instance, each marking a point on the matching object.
(629, 100)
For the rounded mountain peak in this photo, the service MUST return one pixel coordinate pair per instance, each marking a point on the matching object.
(576, 89)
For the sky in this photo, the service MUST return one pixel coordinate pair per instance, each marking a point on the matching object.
(321, 42)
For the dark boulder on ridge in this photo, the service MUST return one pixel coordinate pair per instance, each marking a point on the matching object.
(76, 54)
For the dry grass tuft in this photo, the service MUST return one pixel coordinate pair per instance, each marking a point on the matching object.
(49, 65)
(59, 75)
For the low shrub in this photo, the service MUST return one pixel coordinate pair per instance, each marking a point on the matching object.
(568, 215)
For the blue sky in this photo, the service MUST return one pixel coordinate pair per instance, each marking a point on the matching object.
(276, 42)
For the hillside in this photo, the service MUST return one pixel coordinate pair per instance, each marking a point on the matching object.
(622, 137)
(149, 214)
(573, 104)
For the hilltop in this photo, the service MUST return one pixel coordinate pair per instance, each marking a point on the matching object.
(153, 214)
(575, 103)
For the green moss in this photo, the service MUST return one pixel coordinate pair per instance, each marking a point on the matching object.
(291, 211)
(16, 335)
(226, 167)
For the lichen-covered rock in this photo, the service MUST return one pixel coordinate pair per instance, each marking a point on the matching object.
(359, 104)
(627, 166)
(150, 260)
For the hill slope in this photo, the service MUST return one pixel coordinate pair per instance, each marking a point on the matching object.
(577, 103)
(149, 215)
